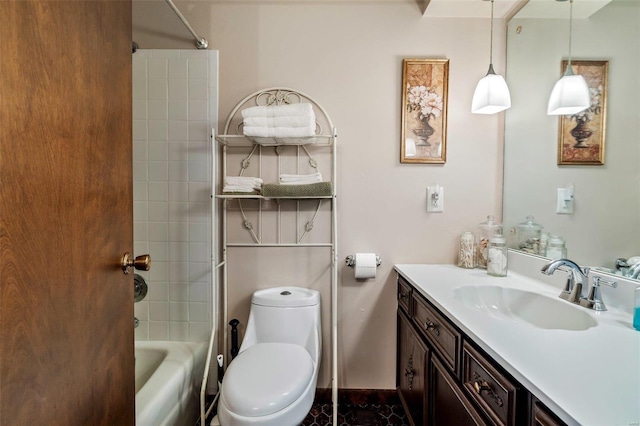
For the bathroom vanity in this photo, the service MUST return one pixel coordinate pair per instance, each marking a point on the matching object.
(474, 349)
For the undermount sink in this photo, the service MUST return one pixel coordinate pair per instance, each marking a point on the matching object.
(519, 305)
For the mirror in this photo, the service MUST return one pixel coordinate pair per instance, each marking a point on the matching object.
(605, 224)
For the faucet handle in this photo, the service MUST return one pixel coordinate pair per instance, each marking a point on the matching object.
(594, 299)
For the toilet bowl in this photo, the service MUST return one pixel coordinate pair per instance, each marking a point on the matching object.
(272, 380)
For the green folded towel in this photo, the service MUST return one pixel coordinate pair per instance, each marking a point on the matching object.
(318, 189)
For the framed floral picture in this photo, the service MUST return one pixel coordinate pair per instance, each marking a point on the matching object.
(581, 136)
(424, 111)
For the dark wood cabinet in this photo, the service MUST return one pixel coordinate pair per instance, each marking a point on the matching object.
(411, 371)
(448, 406)
(445, 379)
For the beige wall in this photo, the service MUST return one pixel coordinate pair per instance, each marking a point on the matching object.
(348, 56)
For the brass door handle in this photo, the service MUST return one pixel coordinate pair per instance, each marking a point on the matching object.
(141, 263)
(481, 385)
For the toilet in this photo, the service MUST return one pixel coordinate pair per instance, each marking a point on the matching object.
(272, 380)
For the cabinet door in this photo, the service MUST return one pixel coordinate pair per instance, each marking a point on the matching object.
(411, 371)
(541, 416)
(448, 405)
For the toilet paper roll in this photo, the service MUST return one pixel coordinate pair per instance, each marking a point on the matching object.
(365, 265)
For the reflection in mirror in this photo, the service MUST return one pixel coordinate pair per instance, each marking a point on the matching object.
(605, 221)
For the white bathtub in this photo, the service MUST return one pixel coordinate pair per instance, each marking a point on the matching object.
(168, 377)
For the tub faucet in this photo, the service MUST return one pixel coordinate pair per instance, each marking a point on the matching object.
(577, 277)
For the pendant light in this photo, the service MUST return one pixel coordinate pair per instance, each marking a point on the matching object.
(492, 94)
(570, 95)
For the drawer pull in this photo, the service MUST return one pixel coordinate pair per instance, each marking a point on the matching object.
(482, 385)
(402, 295)
(430, 326)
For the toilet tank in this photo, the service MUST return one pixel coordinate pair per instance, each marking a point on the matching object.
(285, 315)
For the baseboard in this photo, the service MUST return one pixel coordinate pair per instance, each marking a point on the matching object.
(359, 396)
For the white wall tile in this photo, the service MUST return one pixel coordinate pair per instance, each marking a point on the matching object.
(198, 311)
(158, 89)
(178, 150)
(179, 311)
(198, 110)
(199, 232)
(159, 311)
(158, 170)
(158, 151)
(179, 292)
(198, 90)
(199, 172)
(200, 272)
(178, 69)
(158, 231)
(178, 212)
(158, 109)
(178, 89)
(140, 150)
(199, 292)
(199, 331)
(159, 251)
(141, 310)
(142, 331)
(157, 68)
(178, 231)
(179, 252)
(140, 88)
(140, 109)
(158, 191)
(158, 214)
(158, 289)
(198, 69)
(140, 131)
(140, 171)
(178, 271)
(140, 211)
(179, 170)
(179, 110)
(160, 273)
(159, 330)
(199, 131)
(199, 191)
(179, 191)
(158, 130)
(199, 252)
(140, 231)
(178, 130)
(179, 331)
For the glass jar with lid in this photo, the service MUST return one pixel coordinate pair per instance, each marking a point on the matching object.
(527, 236)
(483, 234)
(467, 251)
(556, 248)
(497, 256)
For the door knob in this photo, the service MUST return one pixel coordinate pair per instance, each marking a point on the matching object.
(141, 263)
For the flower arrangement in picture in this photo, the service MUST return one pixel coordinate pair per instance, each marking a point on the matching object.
(585, 116)
(425, 104)
(581, 133)
(424, 100)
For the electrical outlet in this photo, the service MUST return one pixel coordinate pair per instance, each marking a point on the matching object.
(435, 199)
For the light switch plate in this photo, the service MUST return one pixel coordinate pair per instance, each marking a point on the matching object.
(564, 203)
(435, 199)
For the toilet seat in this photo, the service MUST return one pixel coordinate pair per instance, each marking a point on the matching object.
(266, 378)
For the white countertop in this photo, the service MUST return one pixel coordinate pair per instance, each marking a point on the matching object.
(587, 377)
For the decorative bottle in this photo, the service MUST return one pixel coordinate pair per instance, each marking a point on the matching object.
(527, 236)
(483, 234)
(497, 256)
(556, 248)
(467, 252)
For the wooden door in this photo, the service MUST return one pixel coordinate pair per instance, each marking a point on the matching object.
(66, 308)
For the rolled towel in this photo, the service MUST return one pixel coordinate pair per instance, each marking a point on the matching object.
(286, 179)
(288, 121)
(280, 132)
(287, 110)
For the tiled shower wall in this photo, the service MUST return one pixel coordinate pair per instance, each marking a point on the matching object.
(175, 94)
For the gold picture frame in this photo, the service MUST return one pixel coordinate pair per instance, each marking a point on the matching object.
(425, 85)
(581, 136)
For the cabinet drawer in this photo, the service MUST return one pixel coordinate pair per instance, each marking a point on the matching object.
(491, 389)
(404, 295)
(444, 338)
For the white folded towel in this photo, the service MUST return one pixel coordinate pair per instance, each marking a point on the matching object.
(280, 132)
(300, 179)
(288, 121)
(241, 184)
(286, 110)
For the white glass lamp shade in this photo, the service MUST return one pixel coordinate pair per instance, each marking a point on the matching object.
(569, 96)
(491, 95)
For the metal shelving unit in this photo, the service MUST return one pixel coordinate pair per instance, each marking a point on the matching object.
(281, 152)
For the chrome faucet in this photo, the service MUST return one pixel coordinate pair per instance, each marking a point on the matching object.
(594, 299)
(634, 270)
(576, 279)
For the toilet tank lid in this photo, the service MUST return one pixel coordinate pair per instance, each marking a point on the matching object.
(286, 297)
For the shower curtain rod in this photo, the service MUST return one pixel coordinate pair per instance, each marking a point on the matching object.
(201, 42)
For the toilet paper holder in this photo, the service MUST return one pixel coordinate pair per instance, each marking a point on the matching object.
(351, 261)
